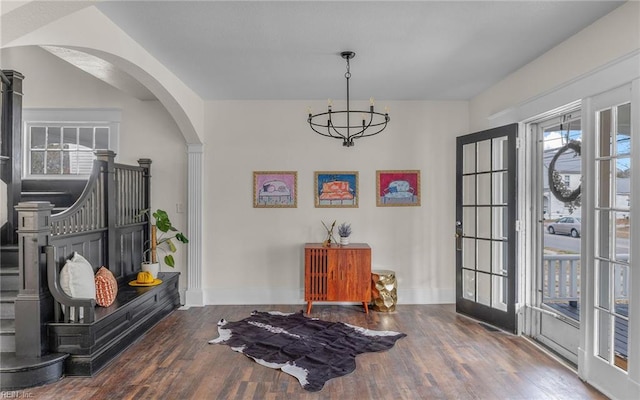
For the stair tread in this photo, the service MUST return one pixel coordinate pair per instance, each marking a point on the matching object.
(10, 362)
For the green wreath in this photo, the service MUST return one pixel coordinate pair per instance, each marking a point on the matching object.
(557, 187)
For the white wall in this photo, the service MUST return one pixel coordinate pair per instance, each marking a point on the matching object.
(146, 130)
(608, 39)
(255, 255)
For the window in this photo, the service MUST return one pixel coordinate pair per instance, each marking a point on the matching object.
(61, 143)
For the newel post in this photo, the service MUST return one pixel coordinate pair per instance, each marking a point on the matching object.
(109, 177)
(34, 304)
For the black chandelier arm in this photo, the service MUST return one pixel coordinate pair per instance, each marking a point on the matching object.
(371, 134)
(313, 125)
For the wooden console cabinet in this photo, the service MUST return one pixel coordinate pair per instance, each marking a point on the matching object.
(337, 273)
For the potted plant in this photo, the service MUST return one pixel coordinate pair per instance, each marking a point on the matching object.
(344, 230)
(163, 242)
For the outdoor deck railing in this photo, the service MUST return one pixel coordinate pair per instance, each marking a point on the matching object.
(562, 278)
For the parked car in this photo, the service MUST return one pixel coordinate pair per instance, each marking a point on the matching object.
(566, 226)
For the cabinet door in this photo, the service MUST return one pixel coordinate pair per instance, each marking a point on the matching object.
(349, 275)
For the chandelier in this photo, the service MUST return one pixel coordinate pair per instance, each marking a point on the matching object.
(349, 124)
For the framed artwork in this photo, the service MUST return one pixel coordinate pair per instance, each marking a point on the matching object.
(275, 189)
(397, 188)
(336, 188)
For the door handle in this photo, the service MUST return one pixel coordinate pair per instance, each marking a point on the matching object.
(459, 235)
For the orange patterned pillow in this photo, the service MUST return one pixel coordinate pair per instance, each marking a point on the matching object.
(106, 287)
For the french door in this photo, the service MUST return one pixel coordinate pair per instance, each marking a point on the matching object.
(486, 226)
(609, 357)
(555, 180)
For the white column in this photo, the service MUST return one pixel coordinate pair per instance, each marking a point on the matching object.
(194, 295)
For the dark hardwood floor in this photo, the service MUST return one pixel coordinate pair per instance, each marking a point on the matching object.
(444, 356)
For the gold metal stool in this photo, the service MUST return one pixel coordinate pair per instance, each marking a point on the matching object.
(384, 287)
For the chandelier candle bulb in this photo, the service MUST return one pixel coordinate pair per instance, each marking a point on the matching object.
(371, 101)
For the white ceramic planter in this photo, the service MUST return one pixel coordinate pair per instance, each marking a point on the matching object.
(344, 240)
(153, 268)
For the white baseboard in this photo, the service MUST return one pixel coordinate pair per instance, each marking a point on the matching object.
(290, 296)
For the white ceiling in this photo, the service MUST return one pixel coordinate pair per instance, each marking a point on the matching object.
(419, 50)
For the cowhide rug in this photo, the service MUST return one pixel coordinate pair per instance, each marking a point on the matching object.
(310, 349)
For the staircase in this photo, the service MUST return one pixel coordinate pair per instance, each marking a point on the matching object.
(9, 290)
(20, 366)
(19, 372)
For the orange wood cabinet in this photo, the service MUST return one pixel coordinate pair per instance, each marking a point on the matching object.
(337, 273)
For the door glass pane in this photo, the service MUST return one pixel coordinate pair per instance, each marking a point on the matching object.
(621, 287)
(602, 293)
(603, 324)
(469, 158)
(484, 222)
(469, 285)
(499, 258)
(623, 130)
(604, 229)
(483, 155)
(484, 189)
(621, 236)
(500, 188)
(500, 218)
(469, 190)
(561, 220)
(622, 187)
(604, 183)
(499, 293)
(469, 221)
(604, 133)
(500, 153)
(484, 289)
(469, 253)
(620, 342)
(484, 255)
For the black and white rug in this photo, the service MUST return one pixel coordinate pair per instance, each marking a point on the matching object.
(309, 349)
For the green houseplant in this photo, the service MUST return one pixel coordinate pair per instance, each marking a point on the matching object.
(163, 242)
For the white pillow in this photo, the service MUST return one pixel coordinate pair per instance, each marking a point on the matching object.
(76, 278)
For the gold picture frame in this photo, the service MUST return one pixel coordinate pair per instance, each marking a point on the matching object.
(275, 189)
(336, 189)
(398, 188)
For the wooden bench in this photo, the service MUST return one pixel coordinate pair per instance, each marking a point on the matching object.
(104, 332)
